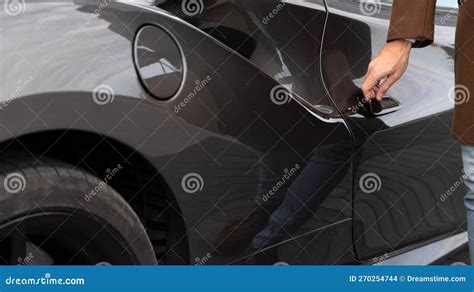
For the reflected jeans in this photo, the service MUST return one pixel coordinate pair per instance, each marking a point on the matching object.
(324, 171)
(468, 159)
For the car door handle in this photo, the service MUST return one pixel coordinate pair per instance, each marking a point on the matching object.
(376, 108)
(386, 106)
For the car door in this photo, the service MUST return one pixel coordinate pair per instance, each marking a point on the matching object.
(407, 167)
(265, 142)
(307, 215)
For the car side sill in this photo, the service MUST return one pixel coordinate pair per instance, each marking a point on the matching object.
(427, 254)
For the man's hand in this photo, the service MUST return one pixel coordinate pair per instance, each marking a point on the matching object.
(391, 63)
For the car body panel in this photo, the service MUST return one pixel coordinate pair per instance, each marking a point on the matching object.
(225, 133)
(256, 102)
(408, 178)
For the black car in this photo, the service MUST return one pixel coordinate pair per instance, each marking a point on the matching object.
(223, 132)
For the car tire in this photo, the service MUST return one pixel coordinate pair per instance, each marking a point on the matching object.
(54, 213)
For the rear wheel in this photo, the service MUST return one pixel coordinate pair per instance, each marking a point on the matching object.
(52, 213)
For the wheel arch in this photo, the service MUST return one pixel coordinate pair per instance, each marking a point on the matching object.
(138, 180)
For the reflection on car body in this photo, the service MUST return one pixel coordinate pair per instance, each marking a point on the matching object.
(311, 176)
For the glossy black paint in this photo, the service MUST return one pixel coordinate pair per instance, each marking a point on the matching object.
(411, 149)
(232, 122)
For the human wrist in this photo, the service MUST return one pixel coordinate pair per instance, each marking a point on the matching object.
(404, 44)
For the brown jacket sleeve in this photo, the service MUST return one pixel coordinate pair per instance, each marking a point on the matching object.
(413, 19)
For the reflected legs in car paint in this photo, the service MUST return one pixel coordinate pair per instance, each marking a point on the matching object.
(468, 159)
(325, 169)
(270, 194)
(276, 170)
